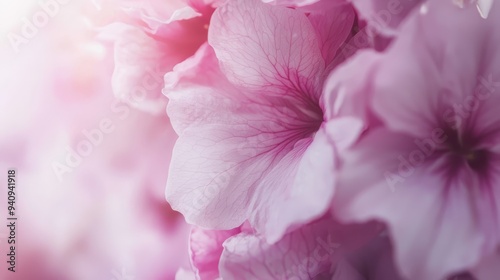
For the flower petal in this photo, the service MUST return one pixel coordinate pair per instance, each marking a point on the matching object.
(333, 26)
(251, 141)
(305, 253)
(421, 82)
(206, 250)
(385, 16)
(488, 268)
(268, 47)
(434, 235)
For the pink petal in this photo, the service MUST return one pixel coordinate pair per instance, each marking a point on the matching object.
(488, 268)
(344, 95)
(155, 12)
(303, 254)
(297, 190)
(373, 261)
(140, 63)
(184, 274)
(332, 26)
(206, 250)
(292, 3)
(345, 271)
(385, 16)
(242, 176)
(241, 152)
(427, 230)
(267, 47)
(432, 83)
(484, 7)
(217, 134)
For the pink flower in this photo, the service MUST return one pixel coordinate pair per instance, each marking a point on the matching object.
(429, 163)
(160, 35)
(252, 141)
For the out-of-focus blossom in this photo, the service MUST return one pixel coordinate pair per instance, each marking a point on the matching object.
(429, 163)
(252, 142)
(91, 169)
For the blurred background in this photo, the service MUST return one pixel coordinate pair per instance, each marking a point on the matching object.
(91, 169)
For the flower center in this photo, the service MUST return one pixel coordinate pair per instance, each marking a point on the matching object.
(477, 159)
(464, 151)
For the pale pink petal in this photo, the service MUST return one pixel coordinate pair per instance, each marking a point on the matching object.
(344, 131)
(206, 250)
(205, 143)
(183, 14)
(332, 26)
(438, 85)
(154, 12)
(185, 274)
(200, 69)
(344, 95)
(308, 5)
(488, 268)
(385, 16)
(297, 190)
(292, 3)
(484, 7)
(267, 47)
(311, 251)
(140, 63)
(423, 229)
(160, 35)
(248, 147)
(227, 139)
(235, 156)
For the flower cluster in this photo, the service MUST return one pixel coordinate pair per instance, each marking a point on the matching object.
(328, 139)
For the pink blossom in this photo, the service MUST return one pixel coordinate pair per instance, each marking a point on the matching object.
(428, 165)
(106, 211)
(252, 143)
(160, 35)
